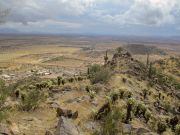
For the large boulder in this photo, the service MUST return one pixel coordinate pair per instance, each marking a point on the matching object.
(66, 127)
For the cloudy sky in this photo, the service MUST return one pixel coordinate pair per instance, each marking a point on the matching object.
(105, 17)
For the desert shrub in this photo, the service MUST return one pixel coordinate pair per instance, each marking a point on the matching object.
(32, 100)
(2, 109)
(2, 99)
(167, 106)
(165, 79)
(177, 129)
(54, 81)
(109, 126)
(94, 69)
(114, 97)
(3, 114)
(161, 127)
(99, 74)
(3, 95)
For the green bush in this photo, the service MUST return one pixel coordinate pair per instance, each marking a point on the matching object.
(94, 69)
(98, 74)
(32, 100)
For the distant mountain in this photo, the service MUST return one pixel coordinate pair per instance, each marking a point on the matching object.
(8, 31)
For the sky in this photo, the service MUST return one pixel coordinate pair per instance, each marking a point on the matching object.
(102, 17)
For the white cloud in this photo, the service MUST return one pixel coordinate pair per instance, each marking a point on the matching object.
(74, 14)
(145, 12)
(36, 10)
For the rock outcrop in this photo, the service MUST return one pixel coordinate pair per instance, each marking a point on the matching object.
(66, 127)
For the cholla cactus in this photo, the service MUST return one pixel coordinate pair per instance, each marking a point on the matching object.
(71, 80)
(121, 94)
(147, 61)
(145, 92)
(88, 71)
(142, 109)
(147, 116)
(129, 94)
(137, 109)
(92, 94)
(87, 88)
(173, 122)
(177, 129)
(130, 104)
(159, 95)
(59, 78)
(150, 70)
(161, 127)
(63, 82)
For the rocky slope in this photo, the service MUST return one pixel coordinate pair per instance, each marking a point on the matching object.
(131, 99)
